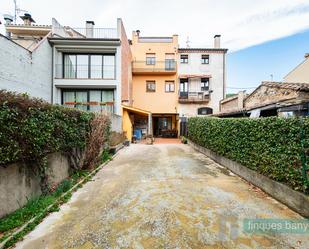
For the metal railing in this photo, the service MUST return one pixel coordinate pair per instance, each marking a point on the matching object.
(154, 66)
(63, 71)
(98, 33)
(193, 96)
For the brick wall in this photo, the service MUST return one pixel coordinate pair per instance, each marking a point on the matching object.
(126, 72)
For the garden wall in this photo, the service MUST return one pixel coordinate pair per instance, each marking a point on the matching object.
(19, 182)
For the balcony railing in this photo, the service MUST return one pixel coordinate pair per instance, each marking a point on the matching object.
(98, 33)
(167, 67)
(84, 71)
(193, 97)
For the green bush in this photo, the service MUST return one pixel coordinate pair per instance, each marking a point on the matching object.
(31, 128)
(271, 146)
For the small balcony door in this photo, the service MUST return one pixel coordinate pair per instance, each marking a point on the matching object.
(183, 88)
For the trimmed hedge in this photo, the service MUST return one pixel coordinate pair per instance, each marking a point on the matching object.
(271, 146)
(31, 128)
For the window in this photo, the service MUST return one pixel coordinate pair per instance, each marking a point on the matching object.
(170, 63)
(150, 59)
(204, 84)
(169, 86)
(184, 58)
(89, 66)
(204, 111)
(205, 59)
(89, 100)
(150, 86)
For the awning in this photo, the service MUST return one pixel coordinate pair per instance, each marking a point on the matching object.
(135, 110)
(185, 76)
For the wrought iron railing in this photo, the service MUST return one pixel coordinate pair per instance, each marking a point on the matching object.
(193, 96)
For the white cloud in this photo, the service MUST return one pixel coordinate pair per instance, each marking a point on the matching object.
(242, 23)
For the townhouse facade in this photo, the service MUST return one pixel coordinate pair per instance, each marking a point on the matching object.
(87, 68)
(154, 80)
(202, 79)
(90, 67)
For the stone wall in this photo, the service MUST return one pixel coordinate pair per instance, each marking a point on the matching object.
(25, 71)
(20, 182)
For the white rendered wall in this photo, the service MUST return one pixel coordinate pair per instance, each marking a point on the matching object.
(215, 68)
(23, 71)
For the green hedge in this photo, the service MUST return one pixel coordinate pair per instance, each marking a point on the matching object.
(31, 128)
(271, 146)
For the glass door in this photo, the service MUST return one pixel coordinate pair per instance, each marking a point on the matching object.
(183, 88)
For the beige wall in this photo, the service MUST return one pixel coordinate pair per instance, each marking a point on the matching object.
(158, 101)
(300, 74)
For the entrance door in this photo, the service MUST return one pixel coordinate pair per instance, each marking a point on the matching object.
(161, 125)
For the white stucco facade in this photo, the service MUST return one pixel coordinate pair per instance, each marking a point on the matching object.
(194, 70)
(25, 71)
(86, 46)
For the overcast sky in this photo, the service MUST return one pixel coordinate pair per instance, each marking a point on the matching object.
(264, 37)
(241, 23)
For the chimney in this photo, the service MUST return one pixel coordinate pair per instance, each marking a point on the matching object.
(27, 19)
(8, 20)
(138, 32)
(89, 29)
(217, 41)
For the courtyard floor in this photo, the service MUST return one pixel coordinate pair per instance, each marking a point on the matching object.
(163, 196)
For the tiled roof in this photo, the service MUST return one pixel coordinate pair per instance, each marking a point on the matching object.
(287, 85)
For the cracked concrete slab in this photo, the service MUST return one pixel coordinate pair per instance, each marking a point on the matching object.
(163, 196)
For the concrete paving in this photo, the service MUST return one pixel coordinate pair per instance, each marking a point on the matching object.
(163, 196)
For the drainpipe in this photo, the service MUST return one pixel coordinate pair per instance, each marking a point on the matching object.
(52, 76)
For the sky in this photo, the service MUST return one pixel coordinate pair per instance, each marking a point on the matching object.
(259, 34)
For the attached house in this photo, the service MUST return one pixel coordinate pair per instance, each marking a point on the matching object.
(87, 68)
(154, 72)
(26, 58)
(269, 99)
(90, 67)
(300, 73)
(202, 79)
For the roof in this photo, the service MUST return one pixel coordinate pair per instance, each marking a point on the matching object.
(201, 50)
(287, 85)
(135, 110)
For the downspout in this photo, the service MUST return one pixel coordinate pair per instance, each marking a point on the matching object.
(52, 77)
(224, 83)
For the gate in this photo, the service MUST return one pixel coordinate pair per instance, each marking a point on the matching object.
(183, 127)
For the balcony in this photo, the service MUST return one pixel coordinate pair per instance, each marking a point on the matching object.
(159, 67)
(87, 33)
(193, 97)
(85, 71)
